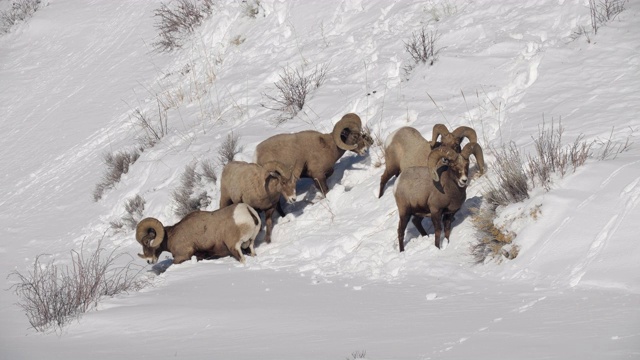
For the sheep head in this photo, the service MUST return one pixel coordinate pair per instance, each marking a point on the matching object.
(150, 234)
(348, 134)
(452, 139)
(285, 178)
(458, 164)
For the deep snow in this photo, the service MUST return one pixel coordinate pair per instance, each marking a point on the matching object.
(332, 281)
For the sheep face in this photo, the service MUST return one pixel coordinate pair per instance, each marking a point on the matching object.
(150, 254)
(361, 140)
(287, 185)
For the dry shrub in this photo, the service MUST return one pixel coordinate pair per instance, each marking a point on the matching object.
(189, 196)
(552, 157)
(603, 11)
(134, 208)
(229, 148)
(20, 11)
(292, 90)
(510, 183)
(53, 294)
(422, 48)
(208, 171)
(174, 24)
(492, 239)
(117, 165)
(155, 128)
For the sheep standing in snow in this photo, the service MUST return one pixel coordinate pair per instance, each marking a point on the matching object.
(406, 147)
(259, 186)
(437, 190)
(205, 234)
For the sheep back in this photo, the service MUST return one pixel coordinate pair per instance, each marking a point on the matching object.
(243, 182)
(309, 152)
(215, 233)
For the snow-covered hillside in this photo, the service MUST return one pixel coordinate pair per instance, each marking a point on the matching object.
(332, 282)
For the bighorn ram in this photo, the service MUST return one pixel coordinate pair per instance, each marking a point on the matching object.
(313, 154)
(437, 190)
(406, 147)
(202, 233)
(258, 186)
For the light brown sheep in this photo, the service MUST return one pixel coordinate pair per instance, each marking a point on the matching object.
(406, 147)
(259, 186)
(205, 234)
(437, 190)
(314, 154)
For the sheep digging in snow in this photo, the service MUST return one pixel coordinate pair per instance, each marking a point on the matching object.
(314, 154)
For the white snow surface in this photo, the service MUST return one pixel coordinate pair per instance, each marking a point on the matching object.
(332, 282)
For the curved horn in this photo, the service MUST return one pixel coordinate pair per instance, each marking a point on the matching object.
(277, 167)
(438, 129)
(438, 158)
(476, 150)
(465, 132)
(349, 121)
(145, 235)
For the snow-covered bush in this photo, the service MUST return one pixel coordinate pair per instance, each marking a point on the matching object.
(190, 195)
(53, 294)
(20, 10)
(117, 164)
(292, 90)
(229, 148)
(422, 48)
(134, 208)
(176, 23)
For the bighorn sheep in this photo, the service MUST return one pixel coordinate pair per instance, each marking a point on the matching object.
(437, 190)
(313, 154)
(202, 233)
(258, 186)
(406, 147)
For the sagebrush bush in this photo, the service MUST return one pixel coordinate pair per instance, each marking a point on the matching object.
(117, 164)
(175, 23)
(208, 171)
(134, 208)
(603, 11)
(510, 182)
(422, 48)
(553, 157)
(229, 148)
(513, 179)
(189, 196)
(20, 11)
(53, 294)
(155, 127)
(292, 90)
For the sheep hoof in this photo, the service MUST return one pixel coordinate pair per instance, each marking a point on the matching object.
(444, 243)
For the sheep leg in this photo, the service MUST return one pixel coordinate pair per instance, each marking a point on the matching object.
(322, 184)
(436, 219)
(236, 252)
(384, 179)
(268, 220)
(402, 226)
(448, 220)
(417, 222)
(279, 208)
